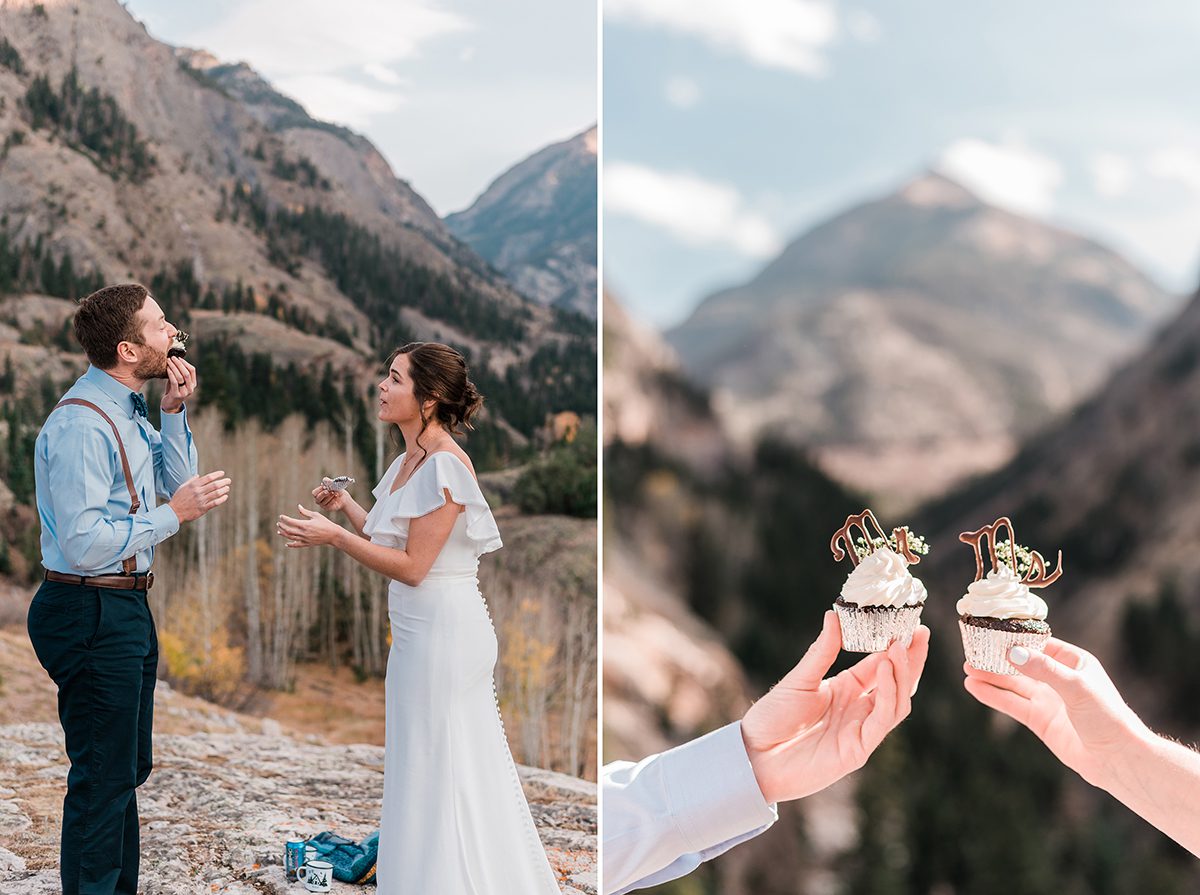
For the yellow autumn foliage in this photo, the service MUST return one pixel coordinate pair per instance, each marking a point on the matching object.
(197, 656)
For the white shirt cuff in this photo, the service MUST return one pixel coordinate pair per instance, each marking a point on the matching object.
(713, 792)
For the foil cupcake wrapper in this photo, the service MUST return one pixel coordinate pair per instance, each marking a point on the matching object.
(987, 649)
(874, 631)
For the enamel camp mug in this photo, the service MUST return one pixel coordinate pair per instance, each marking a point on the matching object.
(317, 876)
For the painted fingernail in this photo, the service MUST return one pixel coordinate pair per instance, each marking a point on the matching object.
(1018, 655)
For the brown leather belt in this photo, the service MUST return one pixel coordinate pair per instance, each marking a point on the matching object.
(140, 581)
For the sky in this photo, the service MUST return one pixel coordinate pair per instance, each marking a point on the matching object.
(452, 92)
(730, 129)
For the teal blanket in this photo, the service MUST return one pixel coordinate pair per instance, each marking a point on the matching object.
(353, 862)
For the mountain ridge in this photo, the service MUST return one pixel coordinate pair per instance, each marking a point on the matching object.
(537, 221)
(202, 177)
(1113, 484)
(913, 340)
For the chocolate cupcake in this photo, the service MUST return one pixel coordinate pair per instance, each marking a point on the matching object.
(339, 483)
(880, 601)
(178, 347)
(999, 610)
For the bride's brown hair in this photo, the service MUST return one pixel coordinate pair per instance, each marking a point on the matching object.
(439, 373)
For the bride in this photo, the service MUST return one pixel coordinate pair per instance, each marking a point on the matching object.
(455, 820)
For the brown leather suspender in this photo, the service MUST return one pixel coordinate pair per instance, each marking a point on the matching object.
(129, 565)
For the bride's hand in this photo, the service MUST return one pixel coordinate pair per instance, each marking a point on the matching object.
(331, 501)
(1067, 699)
(311, 531)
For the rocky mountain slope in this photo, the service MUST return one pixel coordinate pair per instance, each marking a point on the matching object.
(125, 158)
(1113, 484)
(699, 613)
(1116, 486)
(916, 339)
(667, 675)
(537, 224)
(647, 399)
(365, 178)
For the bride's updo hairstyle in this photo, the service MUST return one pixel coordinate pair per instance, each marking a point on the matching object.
(439, 373)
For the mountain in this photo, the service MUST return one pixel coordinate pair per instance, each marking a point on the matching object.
(537, 224)
(1116, 486)
(649, 402)
(363, 176)
(703, 549)
(124, 158)
(668, 676)
(957, 790)
(916, 339)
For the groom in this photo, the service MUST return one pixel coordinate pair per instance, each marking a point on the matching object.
(98, 466)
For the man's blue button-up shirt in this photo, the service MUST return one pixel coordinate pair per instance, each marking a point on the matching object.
(82, 499)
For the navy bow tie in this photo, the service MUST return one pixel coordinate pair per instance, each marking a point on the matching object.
(139, 404)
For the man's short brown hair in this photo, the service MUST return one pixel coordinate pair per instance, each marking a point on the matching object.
(108, 317)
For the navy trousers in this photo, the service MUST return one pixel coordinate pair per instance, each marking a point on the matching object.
(100, 647)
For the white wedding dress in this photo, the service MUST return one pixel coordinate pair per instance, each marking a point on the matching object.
(455, 820)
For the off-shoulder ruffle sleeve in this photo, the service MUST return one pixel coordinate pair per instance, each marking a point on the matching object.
(426, 492)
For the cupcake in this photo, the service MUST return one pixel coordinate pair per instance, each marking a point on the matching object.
(178, 346)
(880, 601)
(340, 483)
(1000, 610)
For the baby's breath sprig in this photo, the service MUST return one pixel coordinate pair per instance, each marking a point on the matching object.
(916, 543)
(1024, 557)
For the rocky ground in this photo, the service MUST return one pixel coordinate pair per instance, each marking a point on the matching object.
(227, 791)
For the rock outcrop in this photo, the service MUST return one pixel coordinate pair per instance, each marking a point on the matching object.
(227, 792)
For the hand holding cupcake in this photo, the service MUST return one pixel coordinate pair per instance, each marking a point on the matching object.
(881, 601)
(1000, 610)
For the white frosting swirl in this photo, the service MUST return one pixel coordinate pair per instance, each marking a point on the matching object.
(883, 579)
(1001, 595)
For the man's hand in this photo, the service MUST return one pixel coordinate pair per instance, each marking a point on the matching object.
(199, 494)
(807, 732)
(181, 378)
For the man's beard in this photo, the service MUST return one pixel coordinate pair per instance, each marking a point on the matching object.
(153, 366)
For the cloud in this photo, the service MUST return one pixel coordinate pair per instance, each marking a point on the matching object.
(784, 34)
(333, 98)
(304, 36)
(695, 211)
(863, 26)
(1177, 163)
(382, 74)
(683, 93)
(1112, 174)
(1008, 174)
(308, 47)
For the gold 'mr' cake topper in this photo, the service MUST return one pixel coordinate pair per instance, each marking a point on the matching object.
(869, 538)
(1035, 575)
